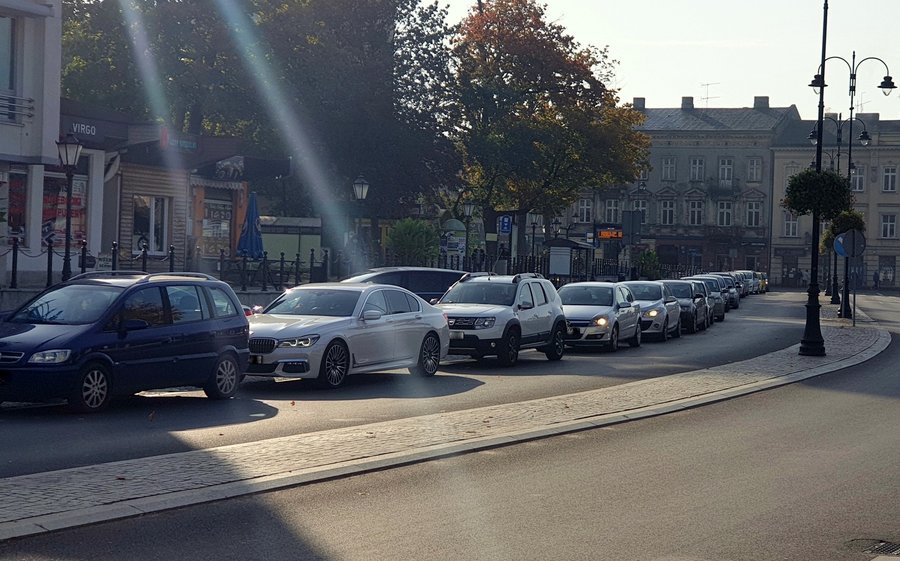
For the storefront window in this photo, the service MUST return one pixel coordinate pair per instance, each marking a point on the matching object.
(149, 227)
(53, 217)
(217, 216)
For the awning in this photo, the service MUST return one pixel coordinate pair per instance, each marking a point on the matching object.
(197, 181)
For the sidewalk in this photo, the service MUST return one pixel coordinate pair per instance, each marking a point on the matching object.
(54, 500)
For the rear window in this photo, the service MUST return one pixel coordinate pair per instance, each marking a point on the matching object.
(222, 304)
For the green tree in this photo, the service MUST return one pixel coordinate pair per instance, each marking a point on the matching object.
(538, 123)
(414, 242)
(843, 222)
(648, 263)
(824, 193)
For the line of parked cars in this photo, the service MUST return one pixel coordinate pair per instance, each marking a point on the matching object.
(107, 334)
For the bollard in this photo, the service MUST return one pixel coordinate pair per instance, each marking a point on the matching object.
(171, 258)
(115, 256)
(50, 262)
(144, 251)
(83, 256)
(326, 265)
(13, 280)
(281, 273)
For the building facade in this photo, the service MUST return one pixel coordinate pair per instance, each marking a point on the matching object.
(873, 181)
(706, 200)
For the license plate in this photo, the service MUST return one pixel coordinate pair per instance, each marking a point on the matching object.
(457, 335)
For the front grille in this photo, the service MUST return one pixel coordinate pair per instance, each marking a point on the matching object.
(884, 548)
(461, 323)
(579, 323)
(262, 346)
(261, 368)
(7, 357)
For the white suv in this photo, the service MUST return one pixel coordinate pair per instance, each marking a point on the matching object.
(491, 314)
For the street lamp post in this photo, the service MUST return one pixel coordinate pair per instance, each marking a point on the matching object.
(534, 226)
(864, 139)
(812, 343)
(468, 209)
(69, 153)
(571, 224)
(360, 191)
(554, 227)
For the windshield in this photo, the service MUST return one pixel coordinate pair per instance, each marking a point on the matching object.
(681, 290)
(481, 293)
(586, 295)
(315, 302)
(72, 304)
(646, 291)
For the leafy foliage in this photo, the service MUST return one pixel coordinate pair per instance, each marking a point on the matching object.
(825, 193)
(648, 263)
(843, 222)
(414, 242)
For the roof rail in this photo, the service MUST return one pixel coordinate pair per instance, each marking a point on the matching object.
(468, 276)
(107, 274)
(521, 276)
(203, 276)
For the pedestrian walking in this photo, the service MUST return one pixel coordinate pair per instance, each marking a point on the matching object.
(875, 278)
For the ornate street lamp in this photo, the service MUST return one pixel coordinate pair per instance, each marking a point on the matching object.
(69, 152)
(554, 227)
(360, 190)
(812, 343)
(571, 224)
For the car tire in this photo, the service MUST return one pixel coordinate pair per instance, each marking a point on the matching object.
(635, 340)
(93, 390)
(335, 365)
(693, 327)
(557, 347)
(677, 332)
(429, 357)
(508, 353)
(664, 334)
(614, 339)
(225, 378)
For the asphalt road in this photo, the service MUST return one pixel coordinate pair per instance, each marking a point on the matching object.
(35, 439)
(801, 472)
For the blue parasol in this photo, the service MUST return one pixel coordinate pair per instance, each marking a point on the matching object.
(251, 243)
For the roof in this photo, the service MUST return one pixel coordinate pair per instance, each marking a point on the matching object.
(745, 119)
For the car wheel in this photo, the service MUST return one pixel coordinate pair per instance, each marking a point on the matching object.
(92, 393)
(614, 339)
(693, 327)
(225, 379)
(429, 357)
(557, 347)
(677, 332)
(335, 365)
(508, 353)
(664, 334)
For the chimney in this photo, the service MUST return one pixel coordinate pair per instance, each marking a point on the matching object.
(687, 102)
(639, 103)
(761, 102)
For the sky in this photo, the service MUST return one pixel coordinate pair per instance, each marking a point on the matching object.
(723, 53)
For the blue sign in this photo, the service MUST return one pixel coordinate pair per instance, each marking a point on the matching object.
(505, 224)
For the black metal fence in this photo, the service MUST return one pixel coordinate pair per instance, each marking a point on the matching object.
(282, 271)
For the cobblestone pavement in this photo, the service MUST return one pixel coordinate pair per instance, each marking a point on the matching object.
(54, 500)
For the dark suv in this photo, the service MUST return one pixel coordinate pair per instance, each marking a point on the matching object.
(120, 332)
(425, 282)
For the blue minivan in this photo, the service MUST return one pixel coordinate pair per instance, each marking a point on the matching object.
(112, 333)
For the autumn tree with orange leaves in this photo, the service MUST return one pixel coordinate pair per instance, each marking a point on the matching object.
(539, 123)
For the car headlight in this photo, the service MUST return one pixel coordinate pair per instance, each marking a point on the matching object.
(302, 342)
(651, 313)
(484, 323)
(55, 356)
(600, 321)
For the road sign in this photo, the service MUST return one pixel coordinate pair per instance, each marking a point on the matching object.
(851, 243)
(505, 224)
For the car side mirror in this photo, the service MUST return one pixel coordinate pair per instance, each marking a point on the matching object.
(670, 299)
(699, 295)
(526, 305)
(434, 301)
(371, 315)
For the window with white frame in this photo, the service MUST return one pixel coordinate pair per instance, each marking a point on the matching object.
(889, 179)
(641, 205)
(667, 212)
(668, 168)
(790, 225)
(695, 213)
(726, 171)
(585, 210)
(723, 216)
(754, 213)
(644, 175)
(754, 170)
(612, 211)
(888, 225)
(149, 225)
(697, 169)
(858, 179)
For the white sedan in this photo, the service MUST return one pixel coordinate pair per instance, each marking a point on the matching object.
(328, 331)
(600, 314)
(660, 312)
